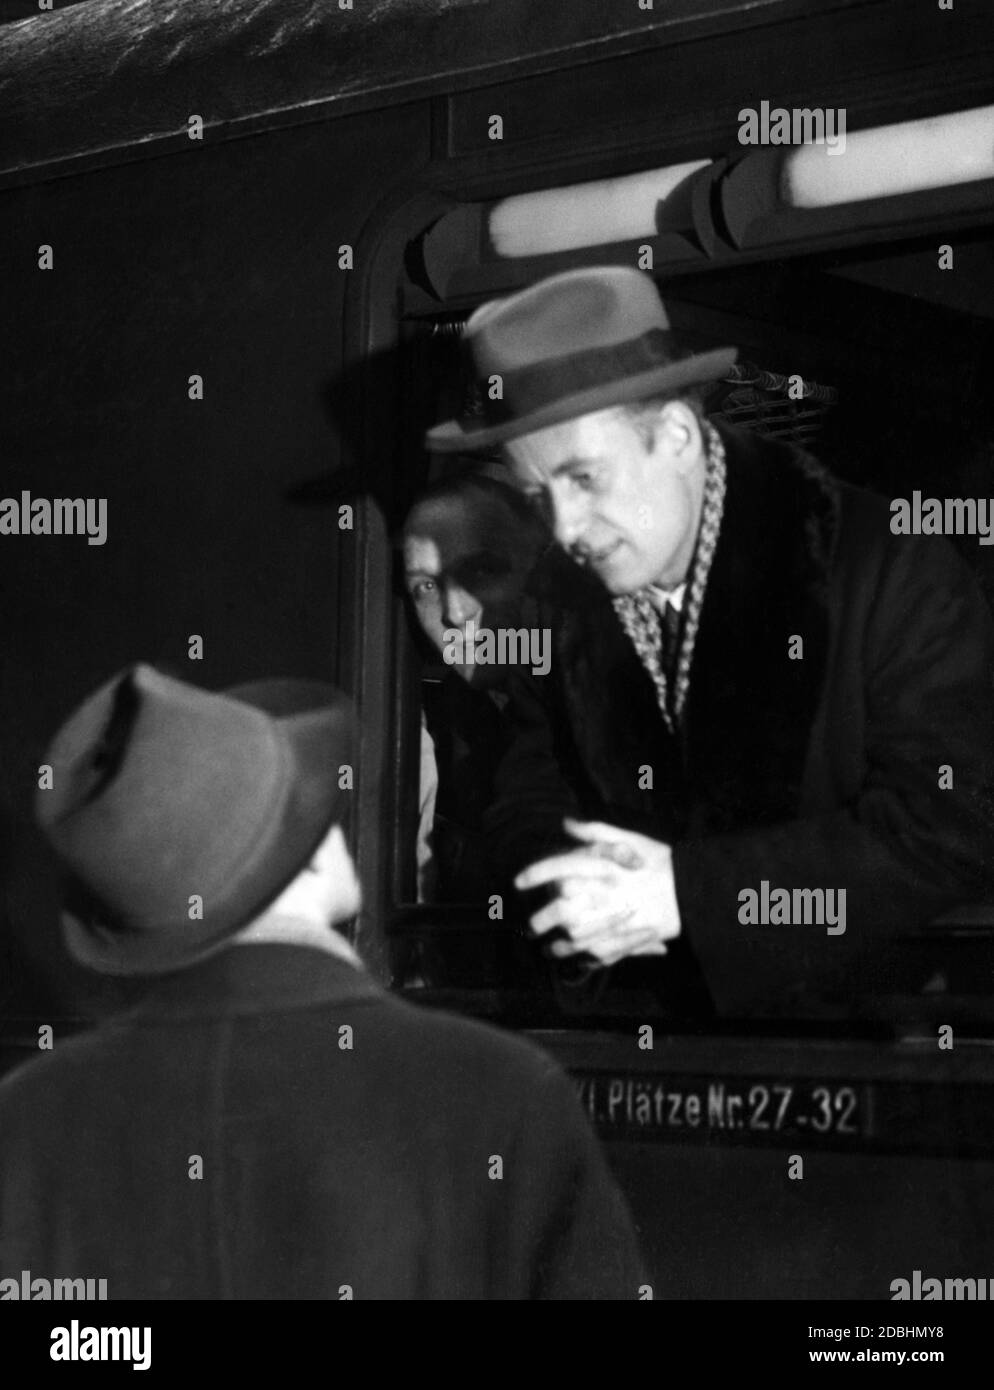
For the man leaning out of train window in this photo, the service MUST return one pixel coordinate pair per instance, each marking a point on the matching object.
(758, 688)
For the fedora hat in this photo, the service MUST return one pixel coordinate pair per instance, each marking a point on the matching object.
(567, 346)
(161, 790)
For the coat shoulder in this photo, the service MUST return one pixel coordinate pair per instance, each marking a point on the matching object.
(395, 1038)
(38, 1085)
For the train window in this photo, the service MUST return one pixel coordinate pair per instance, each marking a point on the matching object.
(823, 364)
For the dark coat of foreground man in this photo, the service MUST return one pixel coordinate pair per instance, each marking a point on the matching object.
(364, 1172)
(267, 1122)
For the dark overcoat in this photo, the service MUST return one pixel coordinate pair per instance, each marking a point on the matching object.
(227, 1139)
(861, 759)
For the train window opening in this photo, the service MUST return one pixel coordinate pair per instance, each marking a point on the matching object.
(823, 363)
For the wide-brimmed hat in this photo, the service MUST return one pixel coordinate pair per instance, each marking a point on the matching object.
(567, 346)
(163, 793)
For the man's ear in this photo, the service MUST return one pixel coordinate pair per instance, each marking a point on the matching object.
(679, 430)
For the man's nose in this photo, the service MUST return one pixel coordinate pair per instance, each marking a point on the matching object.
(460, 606)
(568, 520)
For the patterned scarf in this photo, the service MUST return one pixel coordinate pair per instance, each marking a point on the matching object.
(639, 614)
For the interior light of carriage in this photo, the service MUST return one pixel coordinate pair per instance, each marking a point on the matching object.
(594, 214)
(934, 153)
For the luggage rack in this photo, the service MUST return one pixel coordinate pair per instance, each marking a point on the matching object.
(761, 400)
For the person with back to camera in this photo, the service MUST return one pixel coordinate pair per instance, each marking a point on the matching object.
(267, 1122)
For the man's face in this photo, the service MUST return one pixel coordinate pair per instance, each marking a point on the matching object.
(621, 500)
(327, 889)
(466, 558)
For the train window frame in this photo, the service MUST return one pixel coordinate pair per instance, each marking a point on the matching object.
(391, 292)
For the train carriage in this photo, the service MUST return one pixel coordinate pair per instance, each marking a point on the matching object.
(266, 226)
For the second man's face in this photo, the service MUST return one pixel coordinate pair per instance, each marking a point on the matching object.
(466, 559)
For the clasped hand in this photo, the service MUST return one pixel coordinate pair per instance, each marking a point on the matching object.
(615, 894)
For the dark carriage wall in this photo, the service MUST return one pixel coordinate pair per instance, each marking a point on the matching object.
(221, 262)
